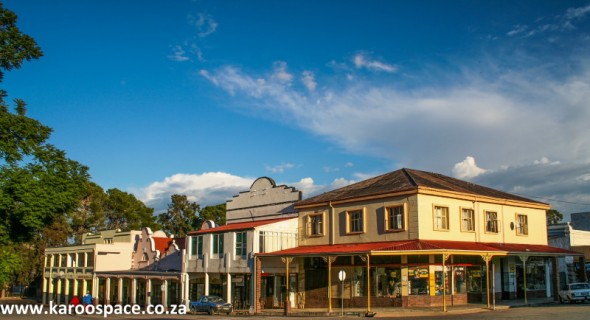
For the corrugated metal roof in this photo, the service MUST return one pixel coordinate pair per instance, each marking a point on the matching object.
(239, 226)
(416, 246)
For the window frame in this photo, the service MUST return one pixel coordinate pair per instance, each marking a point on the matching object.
(519, 228)
(321, 229)
(217, 246)
(487, 221)
(388, 218)
(349, 221)
(435, 218)
(243, 244)
(472, 218)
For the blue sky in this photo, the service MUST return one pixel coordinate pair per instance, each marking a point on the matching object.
(202, 97)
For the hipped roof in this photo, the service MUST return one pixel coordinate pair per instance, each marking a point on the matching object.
(409, 180)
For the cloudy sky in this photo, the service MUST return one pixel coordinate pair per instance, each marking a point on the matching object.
(203, 97)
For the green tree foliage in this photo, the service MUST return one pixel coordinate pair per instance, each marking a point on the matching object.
(124, 211)
(554, 217)
(39, 185)
(15, 47)
(181, 216)
(90, 214)
(215, 213)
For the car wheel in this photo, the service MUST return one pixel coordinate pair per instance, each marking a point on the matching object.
(210, 311)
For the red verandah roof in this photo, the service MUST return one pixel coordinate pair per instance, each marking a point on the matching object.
(417, 246)
(239, 226)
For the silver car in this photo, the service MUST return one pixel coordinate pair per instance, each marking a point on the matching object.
(578, 291)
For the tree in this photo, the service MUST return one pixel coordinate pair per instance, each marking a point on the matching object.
(181, 216)
(215, 213)
(39, 185)
(124, 211)
(89, 216)
(554, 217)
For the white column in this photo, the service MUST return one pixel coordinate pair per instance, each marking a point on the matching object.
(59, 281)
(75, 293)
(84, 287)
(107, 289)
(164, 289)
(206, 284)
(120, 292)
(185, 289)
(228, 288)
(50, 289)
(133, 293)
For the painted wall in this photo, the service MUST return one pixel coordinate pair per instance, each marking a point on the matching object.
(419, 222)
(537, 230)
(264, 200)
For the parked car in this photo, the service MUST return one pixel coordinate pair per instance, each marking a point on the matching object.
(211, 305)
(578, 291)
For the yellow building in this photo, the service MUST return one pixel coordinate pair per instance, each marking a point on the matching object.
(414, 238)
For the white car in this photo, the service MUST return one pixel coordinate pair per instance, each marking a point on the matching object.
(579, 291)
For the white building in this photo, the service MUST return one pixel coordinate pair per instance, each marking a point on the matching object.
(220, 258)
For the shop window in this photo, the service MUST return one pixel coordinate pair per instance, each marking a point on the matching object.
(442, 281)
(388, 282)
(536, 274)
(475, 276)
(460, 284)
(418, 280)
(395, 218)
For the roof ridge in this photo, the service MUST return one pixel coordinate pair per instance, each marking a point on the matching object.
(409, 176)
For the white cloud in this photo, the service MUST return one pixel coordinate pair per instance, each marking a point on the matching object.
(467, 169)
(362, 61)
(178, 54)
(577, 13)
(518, 29)
(340, 182)
(204, 23)
(209, 188)
(280, 168)
(281, 73)
(348, 164)
(308, 80)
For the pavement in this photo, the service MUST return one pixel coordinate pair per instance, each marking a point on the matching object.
(399, 312)
(392, 312)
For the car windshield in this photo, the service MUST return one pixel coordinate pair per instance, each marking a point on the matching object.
(215, 299)
(579, 286)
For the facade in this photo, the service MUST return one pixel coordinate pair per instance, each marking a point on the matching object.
(72, 270)
(414, 238)
(154, 275)
(131, 267)
(567, 236)
(220, 259)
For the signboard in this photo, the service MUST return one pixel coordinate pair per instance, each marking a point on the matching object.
(342, 275)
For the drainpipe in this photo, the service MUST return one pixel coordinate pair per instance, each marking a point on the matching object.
(331, 238)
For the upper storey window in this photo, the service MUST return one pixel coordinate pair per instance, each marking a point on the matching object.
(355, 221)
(441, 218)
(491, 219)
(395, 218)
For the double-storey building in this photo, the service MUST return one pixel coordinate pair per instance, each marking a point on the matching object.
(220, 259)
(71, 270)
(416, 238)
